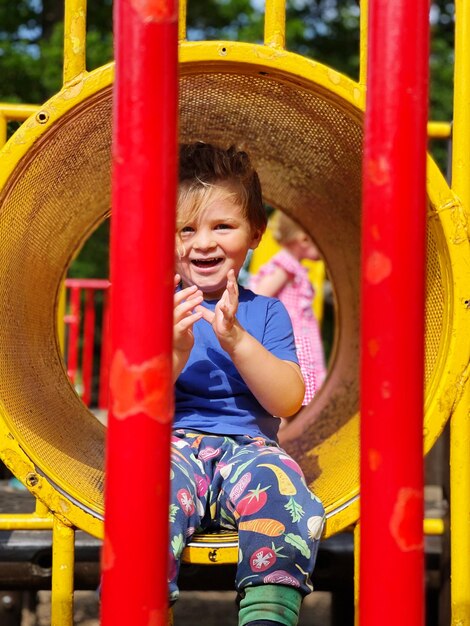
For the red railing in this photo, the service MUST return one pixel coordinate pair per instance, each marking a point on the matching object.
(82, 340)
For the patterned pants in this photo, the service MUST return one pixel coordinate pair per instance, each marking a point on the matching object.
(251, 485)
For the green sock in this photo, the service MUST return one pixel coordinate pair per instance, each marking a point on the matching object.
(277, 603)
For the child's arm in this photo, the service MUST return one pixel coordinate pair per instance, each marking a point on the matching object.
(272, 283)
(183, 319)
(276, 384)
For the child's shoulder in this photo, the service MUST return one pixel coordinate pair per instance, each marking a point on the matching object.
(283, 260)
(250, 298)
(253, 303)
(286, 261)
(263, 317)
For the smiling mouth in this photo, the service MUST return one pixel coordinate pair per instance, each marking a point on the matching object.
(206, 262)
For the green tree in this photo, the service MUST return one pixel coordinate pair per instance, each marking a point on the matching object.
(31, 52)
(327, 30)
(31, 46)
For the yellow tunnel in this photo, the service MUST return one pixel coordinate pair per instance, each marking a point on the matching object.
(302, 124)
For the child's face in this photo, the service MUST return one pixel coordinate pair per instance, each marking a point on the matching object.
(215, 242)
(308, 249)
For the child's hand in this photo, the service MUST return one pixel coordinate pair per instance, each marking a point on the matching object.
(247, 353)
(226, 308)
(184, 317)
(223, 318)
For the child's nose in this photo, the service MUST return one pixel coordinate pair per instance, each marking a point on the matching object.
(205, 241)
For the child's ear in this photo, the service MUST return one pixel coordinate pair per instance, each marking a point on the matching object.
(257, 235)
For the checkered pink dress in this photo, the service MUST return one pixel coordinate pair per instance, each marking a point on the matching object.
(297, 296)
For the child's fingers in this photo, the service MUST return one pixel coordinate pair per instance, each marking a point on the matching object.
(232, 291)
(226, 309)
(224, 301)
(186, 294)
(230, 301)
(187, 322)
(192, 299)
(206, 314)
(185, 308)
(232, 282)
(186, 291)
(228, 313)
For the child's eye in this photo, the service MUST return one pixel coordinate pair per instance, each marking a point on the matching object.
(187, 229)
(223, 226)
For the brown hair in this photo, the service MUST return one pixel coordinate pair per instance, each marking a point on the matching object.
(206, 170)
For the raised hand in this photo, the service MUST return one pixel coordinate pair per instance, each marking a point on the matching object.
(282, 399)
(184, 317)
(222, 319)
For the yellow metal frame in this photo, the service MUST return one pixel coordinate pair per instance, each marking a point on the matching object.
(59, 513)
(63, 551)
(13, 113)
(460, 420)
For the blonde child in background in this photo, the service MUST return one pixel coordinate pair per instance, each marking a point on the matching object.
(284, 277)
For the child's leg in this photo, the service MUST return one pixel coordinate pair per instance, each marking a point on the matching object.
(270, 605)
(187, 505)
(279, 525)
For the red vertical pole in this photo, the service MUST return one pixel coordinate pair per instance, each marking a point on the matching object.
(134, 561)
(105, 354)
(74, 329)
(392, 341)
(88, 344)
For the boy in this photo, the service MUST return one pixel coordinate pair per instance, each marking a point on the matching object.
(235, 367)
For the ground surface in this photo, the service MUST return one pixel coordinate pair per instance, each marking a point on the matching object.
(195, 608)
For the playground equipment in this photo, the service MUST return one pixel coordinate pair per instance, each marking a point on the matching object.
(302, 123)
(80, 319)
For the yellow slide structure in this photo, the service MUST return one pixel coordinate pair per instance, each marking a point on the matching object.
(301, 122)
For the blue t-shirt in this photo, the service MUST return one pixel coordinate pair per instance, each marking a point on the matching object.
(210, 394)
